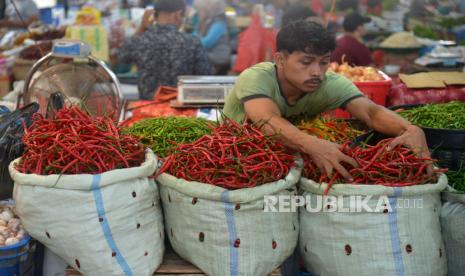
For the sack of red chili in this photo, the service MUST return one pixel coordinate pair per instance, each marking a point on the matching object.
(101, 213)
(224, 225)
(75, 143)
(391, 210)
(398, 167)
(234, 156)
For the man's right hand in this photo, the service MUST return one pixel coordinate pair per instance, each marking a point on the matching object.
(328, 157)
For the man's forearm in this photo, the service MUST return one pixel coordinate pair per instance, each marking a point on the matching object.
(387, 121)
(290, 135)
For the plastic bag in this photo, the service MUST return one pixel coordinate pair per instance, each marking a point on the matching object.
(11, 141)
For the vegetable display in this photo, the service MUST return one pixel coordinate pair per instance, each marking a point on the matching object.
(357, 73)
(426, 32)
(48, 35)
(397, 167)
(75, 143)
(162, 134)
(36, 51)
(450, 22)
(11, 229)
(334, 130)
(447, 116)
(234, 156)
(401, 40)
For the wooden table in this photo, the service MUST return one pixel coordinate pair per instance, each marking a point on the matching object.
(172, 265)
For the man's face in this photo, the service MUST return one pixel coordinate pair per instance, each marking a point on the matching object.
(304, 71)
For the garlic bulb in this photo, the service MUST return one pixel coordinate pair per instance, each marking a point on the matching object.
(11, 229)
(5, 231)
(11, 241)
(6, 215)
(14, 224)
(21, 233)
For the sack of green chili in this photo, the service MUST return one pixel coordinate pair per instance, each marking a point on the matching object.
(372, 229)
(102, 224)
(227, 232)
(453, 231)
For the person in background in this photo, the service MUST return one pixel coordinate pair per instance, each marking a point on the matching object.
(28, 12)
(145, 3)
(351, 46)
(375, 7)
(418, 8)
(212, 28)
(298, 12)
(161, 52)
(275, 8)
(295, 13)
(241, 8)
(460, 6)
(348, 6)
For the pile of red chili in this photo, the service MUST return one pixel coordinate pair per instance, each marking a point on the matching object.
(234, 156)
(397, 167)
(75, 143)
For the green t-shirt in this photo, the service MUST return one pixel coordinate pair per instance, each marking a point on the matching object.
(261, 81)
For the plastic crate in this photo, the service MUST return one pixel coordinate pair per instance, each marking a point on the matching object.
(377, 91)
(12, 256)
(446, 145)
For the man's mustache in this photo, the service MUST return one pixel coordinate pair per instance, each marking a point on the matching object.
(313, 81)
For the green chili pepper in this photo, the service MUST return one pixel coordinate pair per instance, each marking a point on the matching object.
(446, 116)
(162, 134)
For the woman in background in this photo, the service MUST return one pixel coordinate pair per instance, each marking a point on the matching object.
(28, 13)
(212, 28)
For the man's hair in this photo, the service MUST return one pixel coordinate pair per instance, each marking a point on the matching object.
(305, 36)
(169, 5)
(295, 13)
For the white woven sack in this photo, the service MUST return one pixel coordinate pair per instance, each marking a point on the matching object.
(226, 232)
(402, 238)
(453, 231)
(107, 224)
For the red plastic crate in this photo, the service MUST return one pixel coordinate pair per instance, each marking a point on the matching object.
(377, 91)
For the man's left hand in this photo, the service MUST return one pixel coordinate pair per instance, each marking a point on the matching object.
(414, 138)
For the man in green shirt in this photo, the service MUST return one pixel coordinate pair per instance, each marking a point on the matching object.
(298, 87)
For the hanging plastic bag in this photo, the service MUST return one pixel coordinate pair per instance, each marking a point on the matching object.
(11, 143)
